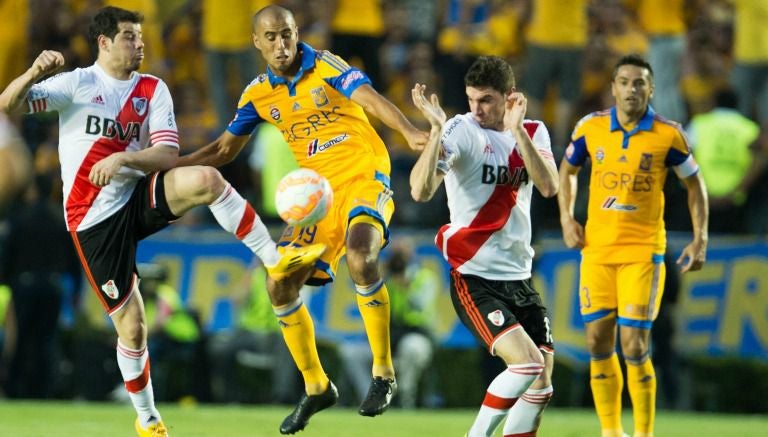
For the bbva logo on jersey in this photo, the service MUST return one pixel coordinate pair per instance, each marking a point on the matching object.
(500, 175)
(109, 128)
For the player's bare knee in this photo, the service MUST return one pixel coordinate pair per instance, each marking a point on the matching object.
(205, 184)
(282, 292)
(599, 342)
(363, 265)
(634, 347)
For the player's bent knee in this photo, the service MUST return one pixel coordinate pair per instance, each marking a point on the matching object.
(201, 183)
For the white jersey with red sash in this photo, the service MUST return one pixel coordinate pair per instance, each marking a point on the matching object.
(98, 116)
(489, 198)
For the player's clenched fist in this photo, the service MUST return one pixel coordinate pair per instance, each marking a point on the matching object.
(47, 62)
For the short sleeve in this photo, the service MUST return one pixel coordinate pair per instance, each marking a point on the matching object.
(54, 93)
(341, 76)
(162, 121)
(456, 136)
(246, 117)
(679, 156)
(576, 153)
(539, 135)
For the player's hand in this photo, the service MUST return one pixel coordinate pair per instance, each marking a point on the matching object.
(693, 256)
(47, 63)
(514, 110)
(417, 139)
(431, 108)
(573, 233)
(103, 171)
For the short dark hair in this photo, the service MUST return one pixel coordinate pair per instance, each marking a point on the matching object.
(632, 59)
(105, 23)
(490, 71)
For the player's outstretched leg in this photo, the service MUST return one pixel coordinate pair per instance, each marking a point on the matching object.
(309, 405)
(379, 396)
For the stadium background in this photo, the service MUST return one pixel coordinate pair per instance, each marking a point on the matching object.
(721, 314)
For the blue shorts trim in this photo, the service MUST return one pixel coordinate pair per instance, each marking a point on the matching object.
(642, 324)
(597, 315)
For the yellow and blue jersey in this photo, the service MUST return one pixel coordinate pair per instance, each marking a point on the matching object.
(625, 217)
(326, 130)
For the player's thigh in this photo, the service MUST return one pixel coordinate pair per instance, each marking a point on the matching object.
(597, 291)
(480, 309)
(639, 297)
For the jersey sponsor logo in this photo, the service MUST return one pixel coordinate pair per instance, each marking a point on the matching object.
(319, 96)
(98, 100)
(646, 161)
(306, 129)
(110, 289)
(610, 203)
(500, 175)
(108, 128)
(139, 105)
(449, 130)
(638, 183)
(496, 317)
(350, 78)
(599, 155)
(314, 147)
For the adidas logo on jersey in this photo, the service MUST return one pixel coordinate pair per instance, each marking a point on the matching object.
(98, 100)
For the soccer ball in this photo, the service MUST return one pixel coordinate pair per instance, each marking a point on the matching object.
(303, 197)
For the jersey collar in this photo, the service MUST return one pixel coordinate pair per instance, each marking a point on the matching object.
(645, 123)
(307, 54)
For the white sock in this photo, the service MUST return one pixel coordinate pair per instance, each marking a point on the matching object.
(134, 366)
(237, 216)
(501, 395)
(525, 415)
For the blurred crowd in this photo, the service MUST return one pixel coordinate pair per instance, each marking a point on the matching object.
(705, 53)
(710, 59)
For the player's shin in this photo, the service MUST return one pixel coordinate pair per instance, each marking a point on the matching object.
(525, 416)
(238, 217)
(299, 334)
(373, 302)
(502, 395)
(641, 382)
(607, 382)
(134, 367)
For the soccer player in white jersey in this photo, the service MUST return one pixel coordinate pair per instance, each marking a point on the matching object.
(490, 159)
(118, 145)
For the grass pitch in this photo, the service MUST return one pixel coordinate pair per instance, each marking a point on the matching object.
(44, 419)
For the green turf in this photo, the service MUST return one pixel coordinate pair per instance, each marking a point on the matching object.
(43, 419)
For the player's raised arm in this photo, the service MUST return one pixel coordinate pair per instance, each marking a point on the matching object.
(14, 95)
(543, 172)
(374, 103)
(217, 153)
(425, 177)
(695, 253)
(573, 231)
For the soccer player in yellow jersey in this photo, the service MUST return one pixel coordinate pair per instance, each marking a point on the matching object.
(622, 270)
(318, 102)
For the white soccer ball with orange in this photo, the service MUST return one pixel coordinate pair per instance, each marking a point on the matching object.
(303, 197)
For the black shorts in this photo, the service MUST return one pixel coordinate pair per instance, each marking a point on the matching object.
(491, 308)
(108, 250)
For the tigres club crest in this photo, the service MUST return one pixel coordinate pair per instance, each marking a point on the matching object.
(496, 317)
(139, 105)
(110, 289)
(646, 161)
(319, 96)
